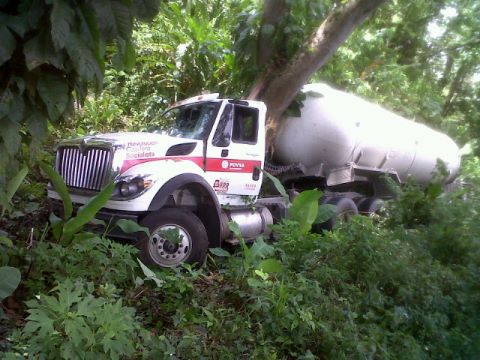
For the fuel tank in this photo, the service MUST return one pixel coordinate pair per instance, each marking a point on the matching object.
(336, 129)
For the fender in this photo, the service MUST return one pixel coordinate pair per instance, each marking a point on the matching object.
(210, 213)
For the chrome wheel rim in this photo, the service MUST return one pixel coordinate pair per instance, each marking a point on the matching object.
(168, 253)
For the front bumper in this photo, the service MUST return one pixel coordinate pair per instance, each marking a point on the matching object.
(109, 217)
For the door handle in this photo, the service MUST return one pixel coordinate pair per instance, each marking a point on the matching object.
(256, 173)
(224, 153)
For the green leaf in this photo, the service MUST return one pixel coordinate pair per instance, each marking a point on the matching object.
(87, 212)
(270, 266)
(130, 226)
(260, 249)
(37, 126)
(15, 183)
(304, 209)
(253, 282)
(150, 274)
(53, 91)
(11, 135)
(6, 241)
(433, 191)
(7, 44)
(9, 280)
(235, 229)
(62, 19)
(278, 185)
(57, 226)
(83, 59)
(146, 9)
(219, 252)
(60, 188)
(325, 213)
(39, 50)
(123, 19)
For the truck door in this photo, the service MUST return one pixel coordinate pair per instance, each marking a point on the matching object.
(235, 153)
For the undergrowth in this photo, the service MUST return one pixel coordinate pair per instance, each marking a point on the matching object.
(406, 287)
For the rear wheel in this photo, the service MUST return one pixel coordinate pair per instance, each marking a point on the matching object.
(345, 209)
(370, 206)
(176, 236)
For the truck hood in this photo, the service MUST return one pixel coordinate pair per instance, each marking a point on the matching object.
(133, 141)
(131, 147)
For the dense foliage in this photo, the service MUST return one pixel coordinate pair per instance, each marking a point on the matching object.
(390, 289)
(406, 286)
(52, 50)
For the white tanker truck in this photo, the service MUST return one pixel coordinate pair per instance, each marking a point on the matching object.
(205, 168)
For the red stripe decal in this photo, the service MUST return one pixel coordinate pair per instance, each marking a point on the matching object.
(127, 164)
(213, 164)
(232, 165)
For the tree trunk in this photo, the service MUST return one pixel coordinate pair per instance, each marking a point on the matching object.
(277, 87)
(274, 11)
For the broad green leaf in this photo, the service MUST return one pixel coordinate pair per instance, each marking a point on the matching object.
(325, 213)
(219, 252)
(123, 19)
(254, 282)
(37, 126)
(60, 188)
(87, 212)
(15, 183)
(130, 226)
(9, 280)
(61, 19)
(278, 185)
(150, 274)
(91, 25)
(57, 226)
(304, 209)
(5, 241)
(7, 44)
(96, 221)
(235, 229)
(17, 23)
(259, 250)
(434, 190)
(39, 50)
(10, 134)
(270, 266)
(53, 91)
(83, 59)
(129, 56)
(146, 9)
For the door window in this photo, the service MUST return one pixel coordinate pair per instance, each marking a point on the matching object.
(245, 125)
(224, 129)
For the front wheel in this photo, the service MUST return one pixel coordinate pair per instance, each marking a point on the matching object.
(176, 236)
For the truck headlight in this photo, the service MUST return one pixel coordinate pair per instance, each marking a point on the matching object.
(131, 186)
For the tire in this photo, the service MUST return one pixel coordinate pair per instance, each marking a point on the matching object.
(346, 208)
(192, 239)
(370, 206)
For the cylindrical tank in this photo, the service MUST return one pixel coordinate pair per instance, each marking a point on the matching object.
(336, 128)
(251, 222)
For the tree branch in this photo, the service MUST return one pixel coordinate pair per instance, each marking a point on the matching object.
(280, 87)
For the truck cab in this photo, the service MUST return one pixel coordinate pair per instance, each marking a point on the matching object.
(192, 174)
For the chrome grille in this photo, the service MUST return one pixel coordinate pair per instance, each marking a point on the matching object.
(88, 169)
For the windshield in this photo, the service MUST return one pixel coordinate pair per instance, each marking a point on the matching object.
(192, 121)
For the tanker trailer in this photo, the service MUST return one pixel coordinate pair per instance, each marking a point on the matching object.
(346, 145)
